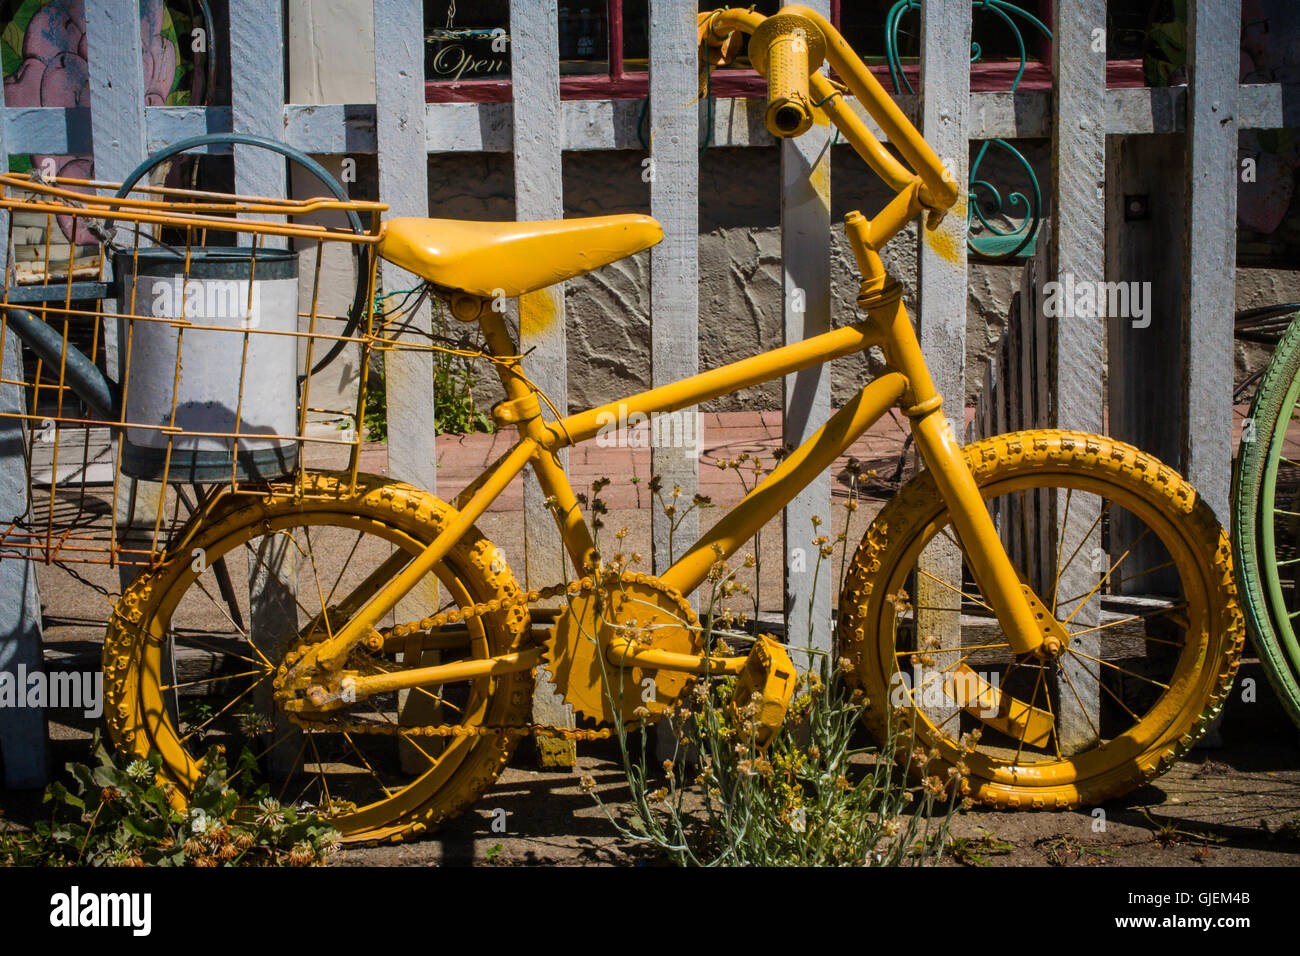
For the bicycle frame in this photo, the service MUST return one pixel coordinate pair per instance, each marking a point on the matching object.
(906, 384)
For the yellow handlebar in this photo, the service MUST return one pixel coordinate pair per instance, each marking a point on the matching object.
(786, 49)
(773, 51)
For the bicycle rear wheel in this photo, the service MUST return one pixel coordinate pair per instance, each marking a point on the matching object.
(1266, 519)
(195, 646)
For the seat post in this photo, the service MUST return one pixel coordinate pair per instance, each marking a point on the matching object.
(500, 344)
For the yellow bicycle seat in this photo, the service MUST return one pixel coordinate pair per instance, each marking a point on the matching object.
(511, 258)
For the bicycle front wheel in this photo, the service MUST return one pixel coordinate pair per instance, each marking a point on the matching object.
(1266, 519)
(195, 646)
(1139, 574)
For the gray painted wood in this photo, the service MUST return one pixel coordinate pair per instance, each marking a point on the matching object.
(1078, 253)
(257, 106)
(23, 749)
(118, 136)
(674, 265)
(349, 128)
(806, 395)
(941, 279)
(1210, 247)
(22, 729)
(257, 97)
(404, 186)
(539, 194)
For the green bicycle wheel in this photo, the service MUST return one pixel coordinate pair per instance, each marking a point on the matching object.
(1266, 519)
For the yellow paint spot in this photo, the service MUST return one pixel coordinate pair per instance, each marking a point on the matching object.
(537, 311)
(950, 235)
(819, 177)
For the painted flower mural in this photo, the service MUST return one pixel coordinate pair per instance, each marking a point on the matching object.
(44, 52)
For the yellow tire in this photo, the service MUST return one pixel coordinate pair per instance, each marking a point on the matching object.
(1155, 628)
(190, 659)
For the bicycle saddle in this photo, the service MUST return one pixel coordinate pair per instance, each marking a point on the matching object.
(492, 258)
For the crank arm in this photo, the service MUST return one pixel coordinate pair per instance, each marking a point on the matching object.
(369, 685)
(625, 653)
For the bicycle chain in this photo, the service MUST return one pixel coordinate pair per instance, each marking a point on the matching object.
(377, 638)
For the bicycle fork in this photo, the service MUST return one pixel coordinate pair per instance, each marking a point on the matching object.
(1028, 624)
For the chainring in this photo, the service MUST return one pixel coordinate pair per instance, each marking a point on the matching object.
(634, 606)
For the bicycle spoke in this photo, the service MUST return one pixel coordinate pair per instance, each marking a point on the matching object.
(189, 639)
(211, 680)
(955, 590)
(1060, 548)
(1082, 708)
(242, 694)
(1051, 716)
(951, 650)
(1105, 510)
(1122, 670)
(1105, 578)
(355, 749)
(1032, 701)
(1137, 617)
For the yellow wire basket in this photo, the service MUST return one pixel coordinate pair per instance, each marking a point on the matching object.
(164, 346)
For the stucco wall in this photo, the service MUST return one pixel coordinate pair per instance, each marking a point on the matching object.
(740, 272)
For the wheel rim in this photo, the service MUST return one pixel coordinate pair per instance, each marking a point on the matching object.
(328, 769)
(1277, 466)
(1010, 763)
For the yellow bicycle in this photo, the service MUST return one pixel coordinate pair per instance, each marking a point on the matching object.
(1067, 595)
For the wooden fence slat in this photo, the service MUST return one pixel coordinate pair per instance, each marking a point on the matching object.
(404, 186)
(674, 264)
(1210, 243)
(1077, 246)
(539, 194)
(118, 136)
(941, 281)
(257, 97)
(23, 730)
(806, 395)
(408, 375)
(257, 106)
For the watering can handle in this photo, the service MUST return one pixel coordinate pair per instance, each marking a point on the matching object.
(360, 251)
(243, 139)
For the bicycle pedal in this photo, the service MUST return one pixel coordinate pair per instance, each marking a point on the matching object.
(767, 683)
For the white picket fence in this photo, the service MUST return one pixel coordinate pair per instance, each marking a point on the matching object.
(1078, 114)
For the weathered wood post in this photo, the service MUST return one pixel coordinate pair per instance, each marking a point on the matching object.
(1077, 252)
(539, 194)
(1210, 245)
(673, 170)
(408, 375)
(941, 281)
(806, 395)
(118, 134)
(23, 752)
(257, 81)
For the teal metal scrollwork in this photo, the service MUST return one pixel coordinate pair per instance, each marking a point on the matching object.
(986, 204)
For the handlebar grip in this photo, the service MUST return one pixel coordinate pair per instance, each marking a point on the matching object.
(786, 49)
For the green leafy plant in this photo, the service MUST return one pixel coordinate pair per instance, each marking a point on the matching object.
(454, 374)
(117, 815)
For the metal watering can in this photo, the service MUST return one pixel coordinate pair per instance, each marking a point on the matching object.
(222, 290)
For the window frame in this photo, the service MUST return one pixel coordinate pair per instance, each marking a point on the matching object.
(618, 84)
